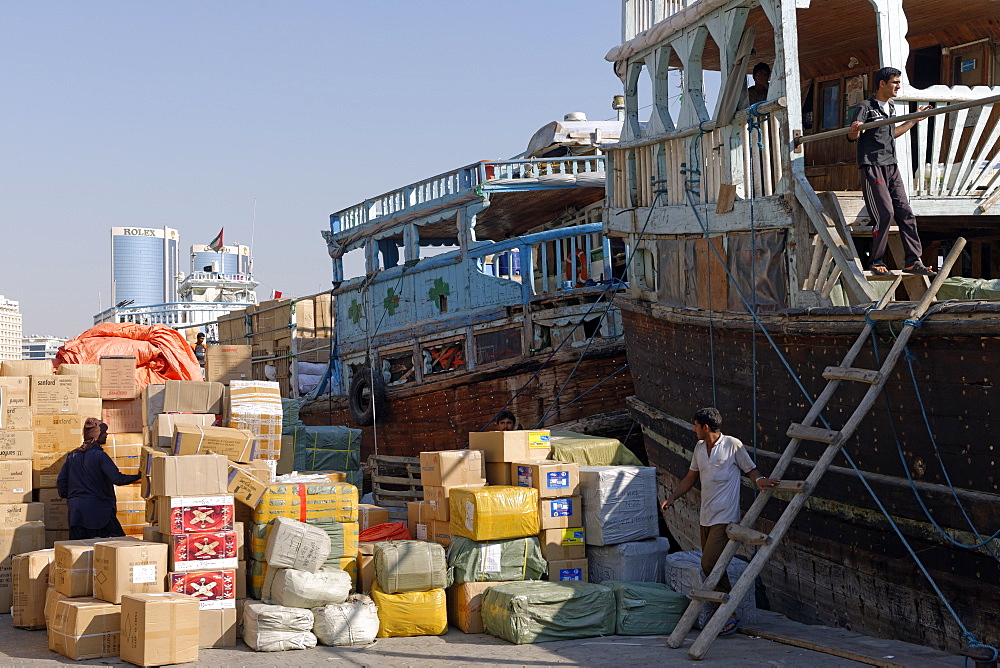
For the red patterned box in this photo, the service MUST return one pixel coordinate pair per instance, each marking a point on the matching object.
(193, 514)
(203, 551)
(216, 590)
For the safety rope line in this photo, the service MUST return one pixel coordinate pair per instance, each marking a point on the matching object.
(582, 395)
(755, 121)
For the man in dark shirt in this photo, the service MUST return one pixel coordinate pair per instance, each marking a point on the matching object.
(87, 481)
(881, 184)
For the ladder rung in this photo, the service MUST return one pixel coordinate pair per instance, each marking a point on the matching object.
(811, 433)
(713, 596)
(891, 276)
(745, 534)
(847, 373)
(894, 314)
(789, 486)
(867, 230)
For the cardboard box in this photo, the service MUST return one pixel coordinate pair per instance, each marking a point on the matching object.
(244, 486)
(551, 479)
(85, 628)
(465, 605)
(228, 362)
(366, 566)
(419, 515)
(193, 475)
(26, 537)
(438, 499)
(54, 395)
(25, 367)
(30, 583)
(16, 514)
(146, 455)
(51, 598)
(128, 567)
(563, 544)
(215, 589)
(88, 378)
(440, 533)
(238, 445)
(56, 511)
(160, 629)
(15, 481)
(498, 473)
(118, 378)
(192, 396)
(369, 515)
(153, 535)
(16, 444)
(89, 407)
(57, 433)
(194, 514)
(16, 391)
(574, 570)
(242, 575)
(17, 418)
(450, 468)
(202, 551)
(152, 405)
(73, 567)
(265, 424)
(125, 451)
(255, 394)
(122, 416)
(512, 446)
(218, 627)
(45, 467)
(163, 426)
(560, 513)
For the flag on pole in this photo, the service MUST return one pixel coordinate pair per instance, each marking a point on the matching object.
(275, 294)
(216, 244)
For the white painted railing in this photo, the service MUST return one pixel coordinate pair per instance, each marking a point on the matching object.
(530, 168)
(175, 314)
(640, 15)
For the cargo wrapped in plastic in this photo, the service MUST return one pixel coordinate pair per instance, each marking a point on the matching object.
(682, 573)
(343, 539)
(646, 608)
(587, 450)
(301, 589)
(352, 623)
(410, 565)
(308, 497)
(495, 561)
(637, 561)
(256, 572)
(293, 544)
(276, 628)
(619, 503)
(412, 613)
(541, 611)
(328, 449)
(494, 513)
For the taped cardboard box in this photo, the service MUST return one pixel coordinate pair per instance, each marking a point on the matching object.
(498, 473)
(551, 479)
(160, 629)
(128, 567)
(45, 467)
(365, 567)
(265, 424)
(293, 544)
(73, 567)
(245, 486)
(450, 468)
(203, 551)
(25, 367)
(52, 537)
(152, 405)
(56, 511)
(438, 498)
(16, 514)
(89, 407)
(218, 627)
(194, 514)
(193, 475)
(465, 605)
(55, 395)
(27, 537)
(227, 363)
(563, 544)
(57, 433)
(512, 446)
(85, 628)
(124, 450)
(238, 445)
(568, 570)
(123, 416)
(88, 378)
(370, 515)
(192, 396)
(152, 534)
(333, 501)
(636, 561)
(560, 513)
(215, 589)
(494, 513)
(163, 426)
(255, 394)
(16, 481)
(118, 378)
(16, 444)
(30, 583)
(51, 598)
(18, 418)
(16, 391)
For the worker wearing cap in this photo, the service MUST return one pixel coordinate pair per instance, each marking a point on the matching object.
(87, 481)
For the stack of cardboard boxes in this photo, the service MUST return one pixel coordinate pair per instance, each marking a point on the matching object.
(440, 473)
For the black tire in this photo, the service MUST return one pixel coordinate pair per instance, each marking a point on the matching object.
(359, 398)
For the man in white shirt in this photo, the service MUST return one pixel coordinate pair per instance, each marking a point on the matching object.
(717, 462)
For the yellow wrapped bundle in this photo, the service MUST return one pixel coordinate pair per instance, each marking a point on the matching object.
(337, 502)
(494, 513)
(413, 613)
(350, 564)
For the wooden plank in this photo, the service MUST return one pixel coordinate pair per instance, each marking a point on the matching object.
(846, 373)
(726, 198)
(404, 493)
(395, 480)
(747, 535)
(805, 433)
(713, 596)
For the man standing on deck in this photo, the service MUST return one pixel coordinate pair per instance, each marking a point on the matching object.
(717, 461)
(881, 184)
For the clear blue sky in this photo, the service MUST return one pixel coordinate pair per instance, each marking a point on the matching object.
(181, 113)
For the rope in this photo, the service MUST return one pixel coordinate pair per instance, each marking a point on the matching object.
(581, 396)
(755, 121)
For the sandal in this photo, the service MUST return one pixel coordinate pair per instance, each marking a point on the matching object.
(919, 269)
(730, 628)
(880, 268)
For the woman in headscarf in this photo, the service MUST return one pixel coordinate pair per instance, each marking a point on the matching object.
(87, 481)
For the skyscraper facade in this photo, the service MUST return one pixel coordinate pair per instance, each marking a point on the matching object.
(145, 265)
(230, 260)
(10, 329)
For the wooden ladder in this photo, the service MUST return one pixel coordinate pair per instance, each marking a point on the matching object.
(802, 489)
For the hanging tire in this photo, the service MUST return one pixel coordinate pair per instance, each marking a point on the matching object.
(365, 399)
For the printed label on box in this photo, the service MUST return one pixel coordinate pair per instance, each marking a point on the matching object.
(538, 440)
(557, 480)
(570, 574)
(144, 574)
(421, 532)
(491, 558)
(524, 478)
(572, 537)
(561, 508)
(215, 590)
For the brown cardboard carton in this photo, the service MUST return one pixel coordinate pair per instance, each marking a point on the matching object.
(152, 405)
(18, 418)
(56, 511)
(146, 455)
(193, 475)
(419, 515)
(122, 416)
(118, 378)
(89, 407)
(241, 574)
(129, 567)
(25, 368)
(15, 481)
(16, 391)
(26, 537)
(54, 395)
(212, 550)
(73, 573)
(85, 628)
(265, 424)
(245, 486)
(45, 467)
(125, 450)
(163, 426)
(30, 583)
(512, 446)
(16, 444)
(218, 627)
(551, 479)
(465, 605)
(438, 498)
(366, 566)
(563, 544)
(15, 514)
(498, 473)
(88, 377)
(569, 570)
(440, 532)
(369, 515)
(160, 629)
(53, 537)
(57, 433)
(228, 362)
(238, 445)
(51, 598)
(152, 534)
(450, 468)
(560, 513)
(194, 514)
(192, 396)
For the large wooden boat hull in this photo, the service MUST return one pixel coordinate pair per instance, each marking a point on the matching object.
(439, 414)
(841, 563)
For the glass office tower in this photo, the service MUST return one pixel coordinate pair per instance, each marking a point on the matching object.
(145, 265)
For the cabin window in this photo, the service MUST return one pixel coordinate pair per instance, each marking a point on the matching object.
(644, 268)
(497, 345)
(830, 101)
(443, 358)
(397, 367)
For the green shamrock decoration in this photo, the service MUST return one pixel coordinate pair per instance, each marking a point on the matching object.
(440, 289)
(391, 301)
(354, 311)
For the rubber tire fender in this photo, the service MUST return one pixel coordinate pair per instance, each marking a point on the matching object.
(362, 411)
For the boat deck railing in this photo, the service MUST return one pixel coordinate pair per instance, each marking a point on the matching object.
(640, 15)
(178, 315)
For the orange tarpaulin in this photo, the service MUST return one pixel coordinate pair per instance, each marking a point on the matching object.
(161, 353)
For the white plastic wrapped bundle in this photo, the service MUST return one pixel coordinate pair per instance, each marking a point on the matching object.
(352, 623)
(619, 503)
(294, 544)
(637, 561)
(276, 628)
(682, 573)
(300, 589)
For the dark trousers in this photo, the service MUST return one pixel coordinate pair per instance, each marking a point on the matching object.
(713, 542)
(112, 529)
(886, 199)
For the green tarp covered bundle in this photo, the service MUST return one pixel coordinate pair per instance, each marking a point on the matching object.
(340, 545)
(495, 560)
(957, 287)
(569, 446)
(410, 565)
(541, 611)
(328, 449)
(290, 416)
(646, 608)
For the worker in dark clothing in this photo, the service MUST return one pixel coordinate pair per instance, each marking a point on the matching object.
(87, 481)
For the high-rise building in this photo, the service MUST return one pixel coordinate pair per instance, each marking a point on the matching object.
(145, 265)
(10, 329)
(40, 347)
(229, 260)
